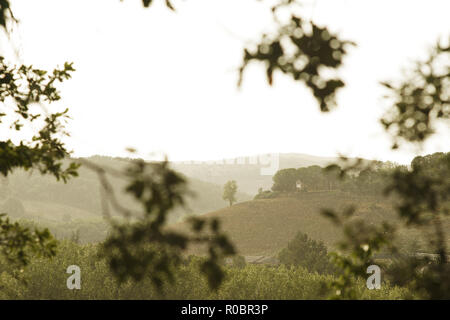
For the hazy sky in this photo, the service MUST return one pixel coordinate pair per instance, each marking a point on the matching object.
(166, 82)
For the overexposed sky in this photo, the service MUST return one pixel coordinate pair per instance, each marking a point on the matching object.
(165, 82)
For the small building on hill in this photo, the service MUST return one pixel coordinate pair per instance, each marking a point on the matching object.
(298, 185)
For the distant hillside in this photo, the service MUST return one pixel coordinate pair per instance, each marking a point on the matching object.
(43, 197)
(80, 197)
(250, 173)
(263, 227)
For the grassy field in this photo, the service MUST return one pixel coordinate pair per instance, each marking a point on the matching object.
(263, 227)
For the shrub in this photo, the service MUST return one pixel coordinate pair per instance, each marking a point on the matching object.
(308, 253)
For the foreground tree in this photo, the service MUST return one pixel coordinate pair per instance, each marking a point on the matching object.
(420, 102)
(21, 88)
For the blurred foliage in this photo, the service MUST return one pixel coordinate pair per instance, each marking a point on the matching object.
(361, 240)
(5, 13)
(425, 193)
(303, 51)
(421, 99)
(137, 248)
(300, 49)
(422, 194)
(148, 3)
(424, 190)
(21, 88)
(18, 243)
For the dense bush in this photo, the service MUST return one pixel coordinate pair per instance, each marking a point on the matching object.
(308, 253)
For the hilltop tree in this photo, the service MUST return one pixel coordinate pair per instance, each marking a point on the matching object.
(229, 192)
(284, 180)
(312, 177)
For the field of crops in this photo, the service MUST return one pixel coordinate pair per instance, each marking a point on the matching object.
(46, 279)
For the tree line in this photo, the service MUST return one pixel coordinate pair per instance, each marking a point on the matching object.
(369, 180)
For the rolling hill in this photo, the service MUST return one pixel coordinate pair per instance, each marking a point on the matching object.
(263, 227)
(43, 197)
(273, 221)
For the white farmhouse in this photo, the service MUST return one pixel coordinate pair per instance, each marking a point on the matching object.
(298, 185)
